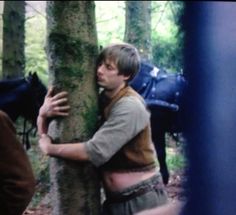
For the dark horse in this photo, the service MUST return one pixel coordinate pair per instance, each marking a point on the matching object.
(22, 97)
(162, 92)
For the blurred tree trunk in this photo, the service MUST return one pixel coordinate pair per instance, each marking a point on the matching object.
(138, 26)
(13, 56)
(72, 51)
(1, 31)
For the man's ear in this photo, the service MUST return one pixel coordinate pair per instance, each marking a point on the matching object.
(126, 77)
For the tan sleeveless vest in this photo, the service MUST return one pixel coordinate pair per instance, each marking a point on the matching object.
(138, 154)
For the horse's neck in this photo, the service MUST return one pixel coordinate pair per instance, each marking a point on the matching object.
(17, 92)
(6, 85)
(22, 97)
(13, 102)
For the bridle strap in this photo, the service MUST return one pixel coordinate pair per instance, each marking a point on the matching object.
(25, 135)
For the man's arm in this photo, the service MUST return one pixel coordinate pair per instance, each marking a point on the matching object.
(72, 151)
(54, 105)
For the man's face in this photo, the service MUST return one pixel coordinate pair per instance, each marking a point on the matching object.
(107, 76)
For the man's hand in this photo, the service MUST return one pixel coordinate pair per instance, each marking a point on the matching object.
(54, 105)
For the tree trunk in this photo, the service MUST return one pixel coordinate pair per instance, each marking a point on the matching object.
(13, 61)
(138, 26)
(1, 32)
(71, 51)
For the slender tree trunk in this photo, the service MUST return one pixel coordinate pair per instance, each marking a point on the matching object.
(13, 61)
(71, 51)
(138, 26)
(1, 32)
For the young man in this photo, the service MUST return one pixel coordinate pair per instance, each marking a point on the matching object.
(122, 148)
(17, 182)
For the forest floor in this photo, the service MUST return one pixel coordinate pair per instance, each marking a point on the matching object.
(174, 188)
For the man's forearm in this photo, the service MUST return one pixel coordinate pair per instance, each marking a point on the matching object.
(42, 125)
(72, 151)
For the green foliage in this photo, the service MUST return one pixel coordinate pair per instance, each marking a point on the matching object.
(110, 20)
(175, 160)
(167, 38)
(167, 53)
(35, 34)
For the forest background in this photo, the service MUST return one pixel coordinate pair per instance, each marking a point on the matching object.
(166, 36)
(166, 43)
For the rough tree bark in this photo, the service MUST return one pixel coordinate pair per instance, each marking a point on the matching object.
(138, 26)
(71, 51)
(13, 59)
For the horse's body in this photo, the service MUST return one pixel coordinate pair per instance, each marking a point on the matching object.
(9, 84)
(162, 92)
(22, 97)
